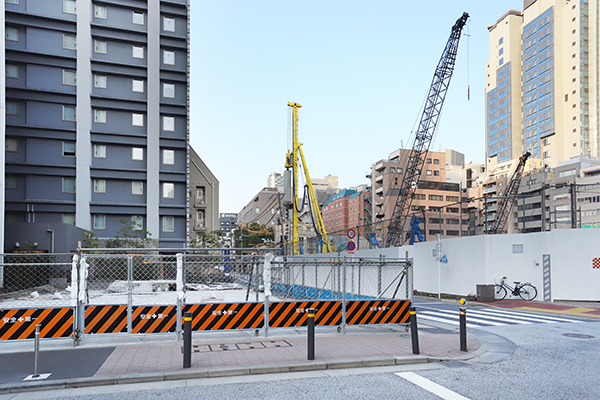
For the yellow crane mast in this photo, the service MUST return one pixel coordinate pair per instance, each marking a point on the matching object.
(291, 161)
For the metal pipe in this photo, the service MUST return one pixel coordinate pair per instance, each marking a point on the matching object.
(187, 340)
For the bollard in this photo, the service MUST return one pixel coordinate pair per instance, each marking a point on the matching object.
(413, 330)
(311, 333)
(463, 325)
(36, 352)
(187, 340)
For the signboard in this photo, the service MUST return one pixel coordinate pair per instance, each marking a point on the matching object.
(351, 246)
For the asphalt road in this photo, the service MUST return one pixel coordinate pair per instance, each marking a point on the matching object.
(551, 361)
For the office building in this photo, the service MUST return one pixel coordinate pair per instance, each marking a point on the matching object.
(96, 129)
(204, 198)
(542, 82)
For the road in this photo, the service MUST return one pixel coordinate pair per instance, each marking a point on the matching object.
(552, 360)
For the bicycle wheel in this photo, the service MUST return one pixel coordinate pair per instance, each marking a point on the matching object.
(527, 292)
(499, 292)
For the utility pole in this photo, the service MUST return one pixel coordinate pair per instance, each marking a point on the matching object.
(572, 188)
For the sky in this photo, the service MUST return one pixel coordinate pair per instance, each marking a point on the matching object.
(360, 69)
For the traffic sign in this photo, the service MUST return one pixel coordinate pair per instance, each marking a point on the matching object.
(351, 233)
(444, 259)
(351, 246)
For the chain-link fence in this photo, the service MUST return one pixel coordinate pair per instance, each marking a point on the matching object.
(35, 280)
(336, 278)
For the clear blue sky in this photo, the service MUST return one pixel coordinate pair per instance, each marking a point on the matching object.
(361, 69)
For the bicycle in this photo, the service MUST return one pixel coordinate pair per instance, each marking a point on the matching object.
(524, 290)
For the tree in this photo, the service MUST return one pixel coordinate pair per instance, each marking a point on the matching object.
(208, 239)
(252, 235)
(129, 236)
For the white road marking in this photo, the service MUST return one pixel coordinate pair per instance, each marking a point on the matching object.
(476, 320)
(538, 316)
(513, 316)
(430, 386)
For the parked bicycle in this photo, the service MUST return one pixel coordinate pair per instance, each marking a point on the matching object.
(524, 290)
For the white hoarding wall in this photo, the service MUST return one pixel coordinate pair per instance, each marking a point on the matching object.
(485, 259)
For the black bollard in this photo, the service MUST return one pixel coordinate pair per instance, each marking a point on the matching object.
(463, 326)
(36, 351)
(311, 333)
(187, 340)
(413, 330)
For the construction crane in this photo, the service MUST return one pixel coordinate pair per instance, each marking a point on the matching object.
(506, 202)
(291, 161)
(424, 135)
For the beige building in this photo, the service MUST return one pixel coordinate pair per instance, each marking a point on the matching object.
(435, 202)
(542, 82)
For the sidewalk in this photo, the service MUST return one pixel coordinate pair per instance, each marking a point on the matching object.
(576, 309)
(128, 360)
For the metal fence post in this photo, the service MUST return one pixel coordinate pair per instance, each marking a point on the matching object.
(379, 267)
(129, 293)
(180, 293)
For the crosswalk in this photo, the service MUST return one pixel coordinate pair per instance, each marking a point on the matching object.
(487, 317)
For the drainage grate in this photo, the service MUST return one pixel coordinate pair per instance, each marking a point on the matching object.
(205, 348)
(453, 364)
(578, 335)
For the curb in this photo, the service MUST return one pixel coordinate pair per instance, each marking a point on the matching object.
(213, 373)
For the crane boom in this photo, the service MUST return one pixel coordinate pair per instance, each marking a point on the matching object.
(505, 202)
(424, 134)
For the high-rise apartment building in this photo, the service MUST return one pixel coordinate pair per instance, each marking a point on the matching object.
(542, 82)
(96, 129)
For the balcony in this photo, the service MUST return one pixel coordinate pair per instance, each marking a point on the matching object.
(199, 201)
(490, 189)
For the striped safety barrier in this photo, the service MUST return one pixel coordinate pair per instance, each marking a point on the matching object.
(154, 319)
(106, 319)
(219, 316)
(288, 314)
(20, 323)
(364, 312)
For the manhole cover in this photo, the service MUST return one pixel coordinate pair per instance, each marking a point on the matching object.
(578, 335)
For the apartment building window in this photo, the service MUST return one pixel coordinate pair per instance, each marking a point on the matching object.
(200, 194)
(428, 161)
(169, 90)
(137, 85)
(138, 18)
(12, 145)
(69, 6)
(169, 157)
(12, 108)
(68, 185)
(69, 113)
(169, 24)
(69, 77)
(436, 173)
(12, 1)
(99, 151)
(100, 221)
(435, 197)
(200, 221)
(546, 153)
(99, 186)
(68, 149)
(69, 42)
(453, 233)
(453, 221)
(434, 232)
(137, 154)
(100, 46)
(11, 182)
(417, 196)
(100, 81)
(436, 161)
(168, 124)
(12, 71)
(68, 219)
(168, 224)
(100, 11)
(168, 190)
(12, 34)
(137, 188)
(452, 210)
(452, 198)
(100, 116)
(399, 170)
(500, 41)
(137, 119)
(138, 51)
(429, 172)
(137, 222)
(168, 57)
